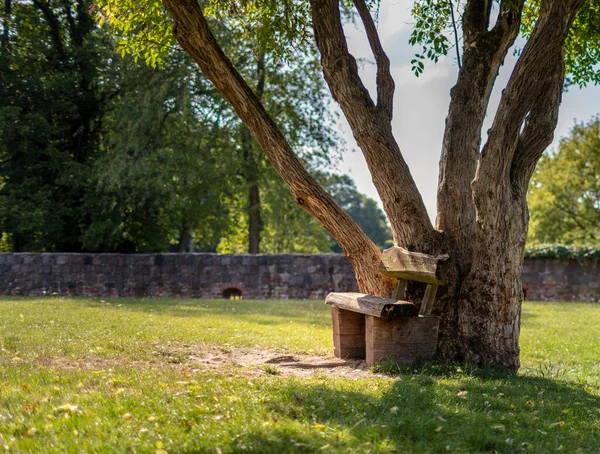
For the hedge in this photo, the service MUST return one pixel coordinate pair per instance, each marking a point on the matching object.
(562, 252)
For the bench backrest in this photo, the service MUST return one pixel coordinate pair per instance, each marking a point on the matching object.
(399, 263)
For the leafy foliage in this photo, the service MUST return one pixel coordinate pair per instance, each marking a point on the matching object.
(562, 252)
(582, 47)
(433, 32)
(51, 103)
(165, 166)
(564, 195)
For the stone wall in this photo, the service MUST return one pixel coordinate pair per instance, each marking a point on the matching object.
(285, 276)
(561, 280)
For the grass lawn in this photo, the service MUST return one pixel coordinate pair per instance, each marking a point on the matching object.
(136, 393)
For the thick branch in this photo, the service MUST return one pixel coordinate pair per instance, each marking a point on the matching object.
(194, 35)
(483, 55)
(539, 128)
(532, 77)
(385, 82)
(476, 19)
(373, 132)
(54, 25)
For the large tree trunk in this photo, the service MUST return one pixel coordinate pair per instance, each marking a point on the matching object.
(481, 312)
(482, 210)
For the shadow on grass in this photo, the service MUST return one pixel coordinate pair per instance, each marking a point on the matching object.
(308, 312)
(489, 412)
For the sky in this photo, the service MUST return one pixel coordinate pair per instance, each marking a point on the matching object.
(421, 104)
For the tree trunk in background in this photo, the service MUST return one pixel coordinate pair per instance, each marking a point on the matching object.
(186, 241)
(482, 207)
(252, 171)
(251, 176)
(255, 226)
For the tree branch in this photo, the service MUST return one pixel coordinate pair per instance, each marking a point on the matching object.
(194, 35)
(54, 25)
(385, 82)
(476, 19)
(483, 54)
(372, 130)
(540, 124)
(534, 73)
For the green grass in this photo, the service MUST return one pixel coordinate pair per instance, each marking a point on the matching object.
(136, 395)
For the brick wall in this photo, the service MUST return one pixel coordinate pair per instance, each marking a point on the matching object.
(284, 276)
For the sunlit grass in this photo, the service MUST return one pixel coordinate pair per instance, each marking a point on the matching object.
(133, 400)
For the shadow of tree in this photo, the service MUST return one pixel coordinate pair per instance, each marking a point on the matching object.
(422, 412)
(266, 312)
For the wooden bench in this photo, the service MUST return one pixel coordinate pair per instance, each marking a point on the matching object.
(376, 329)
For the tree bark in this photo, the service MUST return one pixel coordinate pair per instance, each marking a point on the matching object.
(483, 54)
(485, 326)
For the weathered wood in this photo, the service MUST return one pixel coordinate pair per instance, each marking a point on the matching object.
(400, 289)
(399, 263)
(348, 334)
(372, 305)
(428, 299)
(402, 340)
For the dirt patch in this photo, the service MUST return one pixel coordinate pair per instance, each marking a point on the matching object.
(279, 362)
(237, 360)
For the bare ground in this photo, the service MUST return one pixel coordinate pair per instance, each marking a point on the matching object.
(239, 360)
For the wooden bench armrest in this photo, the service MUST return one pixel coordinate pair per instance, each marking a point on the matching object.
(372, 305)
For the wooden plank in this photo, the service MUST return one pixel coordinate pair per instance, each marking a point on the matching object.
(402, 340)
(399, 263)
(346, 322)
(348, 334)
(400, 289)
(372, 305)
(428, 299)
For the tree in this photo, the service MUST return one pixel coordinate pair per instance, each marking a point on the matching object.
(482, 211)
(156, 177)
(564, 195)
(52, 56)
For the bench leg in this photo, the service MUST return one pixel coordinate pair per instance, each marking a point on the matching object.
(402, 340)
(348, 334)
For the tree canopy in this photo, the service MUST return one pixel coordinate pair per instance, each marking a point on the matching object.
(102, 153)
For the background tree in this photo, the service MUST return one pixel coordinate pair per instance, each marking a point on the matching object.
(51, 101)
(158, 177)
(160, 155)
(564, 195)
(364, 210)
